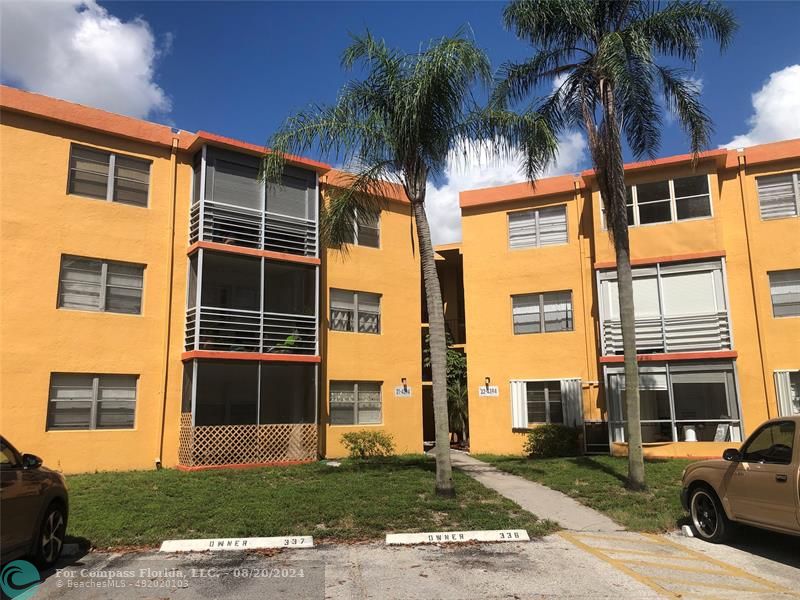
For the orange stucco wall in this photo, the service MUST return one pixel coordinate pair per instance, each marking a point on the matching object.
(392, 271)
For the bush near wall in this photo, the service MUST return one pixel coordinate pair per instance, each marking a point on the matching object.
(552, 441)
(368, 444)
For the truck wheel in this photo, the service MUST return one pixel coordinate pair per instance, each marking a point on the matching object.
(709, 521)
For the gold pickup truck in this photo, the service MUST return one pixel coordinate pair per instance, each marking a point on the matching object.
(757, 485)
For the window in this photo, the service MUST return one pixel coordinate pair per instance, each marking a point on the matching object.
(355, 403)
(680, 402)
(100, 285)
(667, 201)
(9, 459)
(784, 287)
(544, 402)
(296, 196)
(355, 311)
(779, 195)
(535, 228)
(89, 171)
(787, 388)
(557, 401)
(81, 401)
(366, 231)
(773, 444)
(537, 313)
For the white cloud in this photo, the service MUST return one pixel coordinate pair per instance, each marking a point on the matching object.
(76, 50)
(777, 110)
(480, 170)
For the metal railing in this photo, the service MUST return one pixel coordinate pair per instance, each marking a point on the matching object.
(235, 330)
(672, 334)
(252, 228)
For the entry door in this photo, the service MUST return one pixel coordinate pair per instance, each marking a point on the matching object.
(763, 486)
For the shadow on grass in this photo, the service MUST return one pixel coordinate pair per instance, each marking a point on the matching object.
(389, 463)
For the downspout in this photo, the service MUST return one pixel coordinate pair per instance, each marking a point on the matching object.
(588, 323)
(169, 287)
(740, 174)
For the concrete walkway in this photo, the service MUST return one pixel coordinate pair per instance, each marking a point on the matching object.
(540, 500)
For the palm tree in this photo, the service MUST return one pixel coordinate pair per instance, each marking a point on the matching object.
(402, 123)
(603, 58)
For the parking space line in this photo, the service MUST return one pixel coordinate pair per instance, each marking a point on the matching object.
(646, 553)
(719, 586)
(733, 570)
(620, 566)
(664, 565)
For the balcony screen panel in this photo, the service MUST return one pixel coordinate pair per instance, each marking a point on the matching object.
(552, 226)
(522, 229)
(689, 294)
(287, 393)
(81, 283)
(227, 393)
(290, 289)
(186, 389)
(703, 395)
(191, 300)
(89, 172)
(526, 314)
(293, 196)
(777, 196)
(231, 281)
(785, 291)
(235, 183)
(645, 298)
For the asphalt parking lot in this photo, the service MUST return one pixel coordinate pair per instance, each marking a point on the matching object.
(565, 565)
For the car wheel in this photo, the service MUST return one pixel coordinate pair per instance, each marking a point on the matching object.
(709, 521)
(51, 536)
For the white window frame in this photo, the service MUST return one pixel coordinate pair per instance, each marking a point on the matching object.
(535, 212)
(355, 384)
(111, 178)
(796, 181)
(103, 285)
(356, 309)
(546, 400)
(783, 391)
(542, 321)
(95, 400)
(673, 204)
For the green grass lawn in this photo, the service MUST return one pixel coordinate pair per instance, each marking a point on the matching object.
(598, 482)
(354, 501)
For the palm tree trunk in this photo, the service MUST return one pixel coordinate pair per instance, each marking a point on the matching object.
(438, 349)
(615, 183)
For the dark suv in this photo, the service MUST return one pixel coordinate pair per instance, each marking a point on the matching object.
(33, 508)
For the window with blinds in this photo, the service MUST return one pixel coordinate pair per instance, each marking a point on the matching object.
(536, 228)
(546, 312)
(784, 287)
(355, 403)
(100, 285)
(108, 176)
(84, 401)
(355, 311)
(544, 402)
(779, 195)
(366, 230)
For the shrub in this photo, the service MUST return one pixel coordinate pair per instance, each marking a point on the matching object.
(549, 441)
(368, 444)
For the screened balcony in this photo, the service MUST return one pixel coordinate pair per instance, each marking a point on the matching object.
(249, 304)
(231, 206)
(678, 308)
(246, 412)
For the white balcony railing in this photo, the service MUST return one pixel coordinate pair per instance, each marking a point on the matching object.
(694, 333)
(252, 228)
(232, 330)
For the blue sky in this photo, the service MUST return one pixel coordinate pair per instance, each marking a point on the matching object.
(239, 68)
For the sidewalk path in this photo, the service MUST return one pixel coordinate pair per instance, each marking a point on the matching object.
(534, 497)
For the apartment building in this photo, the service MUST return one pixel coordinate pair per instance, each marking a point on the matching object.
(162, 306)
(716, 254)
